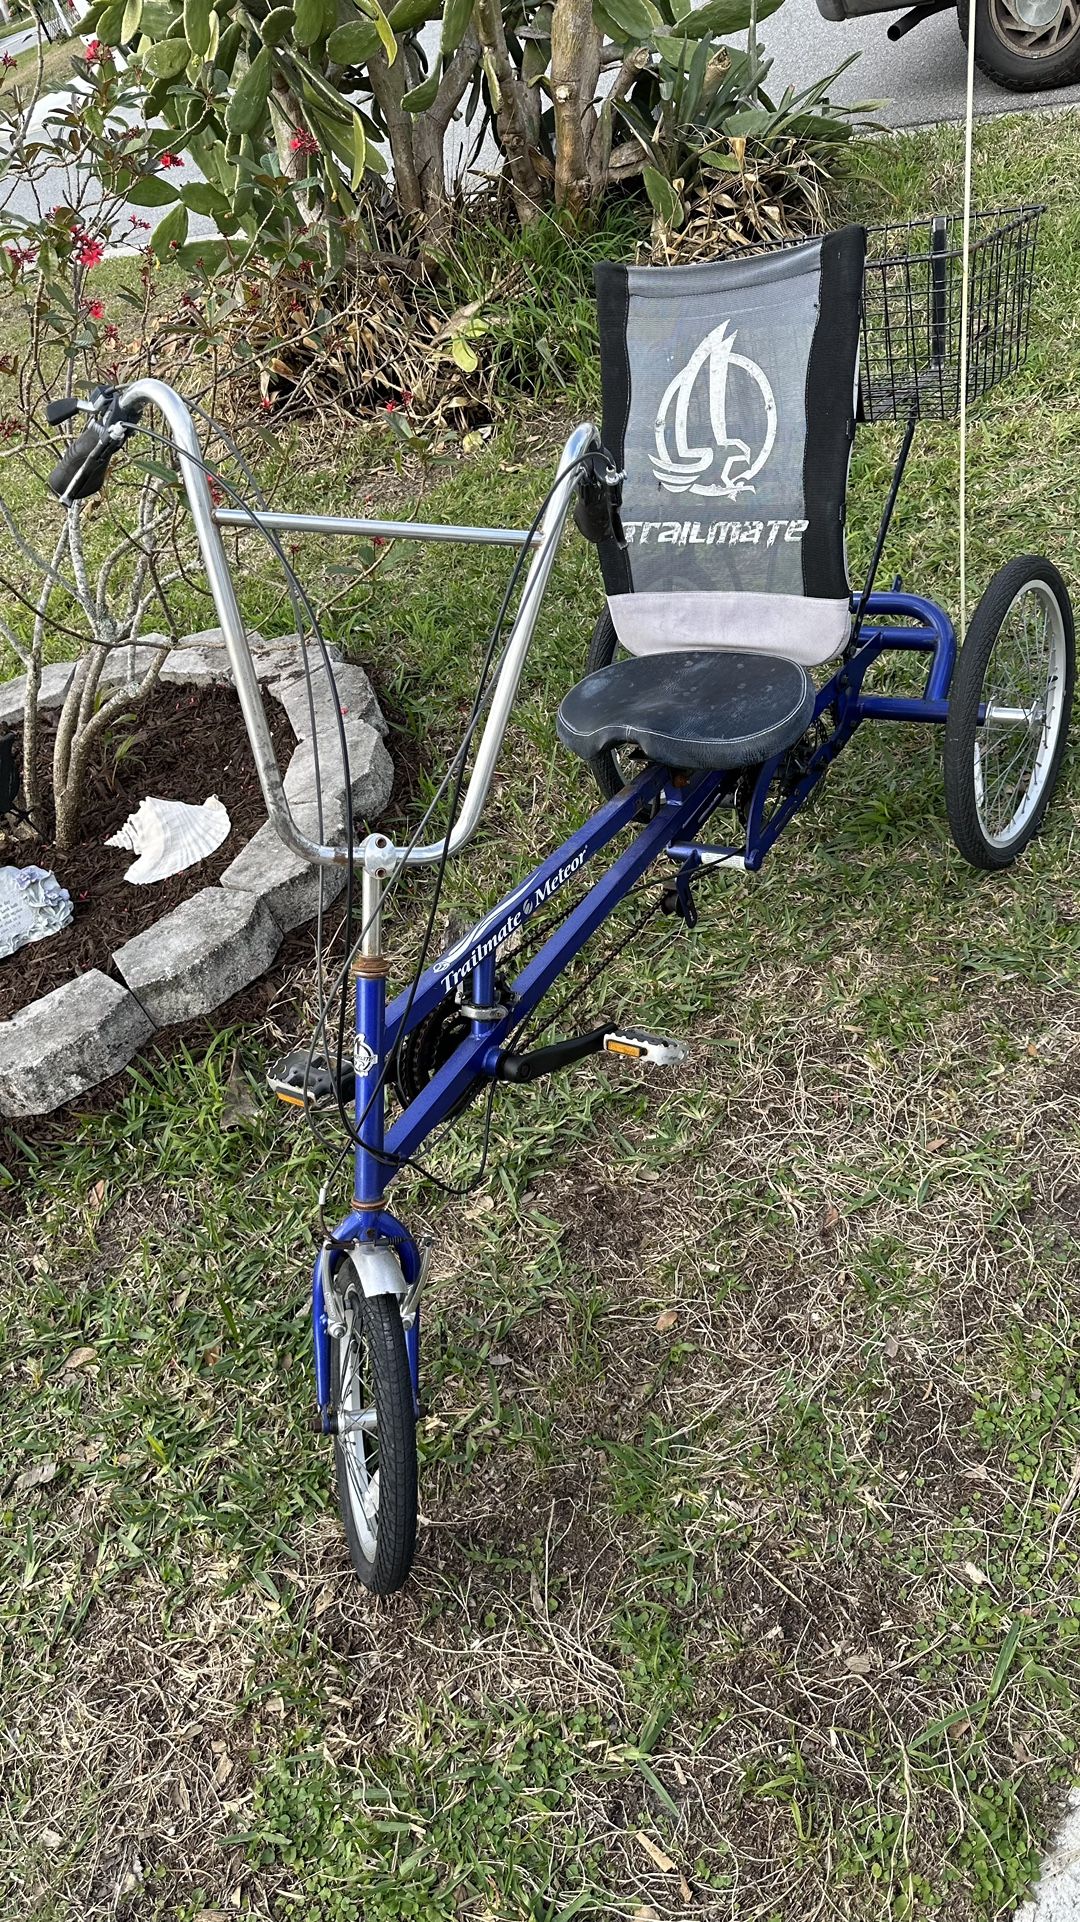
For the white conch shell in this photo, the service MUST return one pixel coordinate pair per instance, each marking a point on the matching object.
(169, 836)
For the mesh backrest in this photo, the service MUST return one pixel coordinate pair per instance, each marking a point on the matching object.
(729, 400)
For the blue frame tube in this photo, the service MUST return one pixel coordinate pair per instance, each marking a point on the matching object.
(595, 834)
(680, 812)
(480, 1053)
(842, 701)
(370, 1086)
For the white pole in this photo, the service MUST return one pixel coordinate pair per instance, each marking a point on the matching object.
(965, 317)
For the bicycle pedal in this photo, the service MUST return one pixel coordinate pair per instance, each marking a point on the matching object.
(635, 1045)
(303, 1080)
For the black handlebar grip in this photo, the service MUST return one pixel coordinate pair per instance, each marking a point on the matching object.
(60, 410)
(82, 470)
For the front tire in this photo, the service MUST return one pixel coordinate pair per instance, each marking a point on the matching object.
(1009, 709)
(1024, 45)
(375, 1443)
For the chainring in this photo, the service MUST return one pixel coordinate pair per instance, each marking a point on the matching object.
(426, 1049)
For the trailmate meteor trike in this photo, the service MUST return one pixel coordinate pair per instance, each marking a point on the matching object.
(728, 670)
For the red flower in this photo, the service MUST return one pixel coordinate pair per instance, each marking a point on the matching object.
(266, 403)
(169, 160)
(94, 51)
(304, 142)
(391, 406)
(90, 251)
(8, 63)
(22, 256)
(10, 427)
(95, 310)
(216, 494)
(406, 399)
(112, 333)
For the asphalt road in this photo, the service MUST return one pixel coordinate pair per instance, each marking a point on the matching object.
(921, 77)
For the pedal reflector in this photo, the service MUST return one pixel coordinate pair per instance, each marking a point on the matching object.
(635, 1045)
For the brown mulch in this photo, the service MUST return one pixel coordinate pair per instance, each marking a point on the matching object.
(185, 744)
(27, 1140)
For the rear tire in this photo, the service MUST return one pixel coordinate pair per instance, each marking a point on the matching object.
(1018, 661)
(609, 776)
(1022, 50)
(375, 1464)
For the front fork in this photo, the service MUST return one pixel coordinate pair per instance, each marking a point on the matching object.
(383, 1255)
(327, 1305)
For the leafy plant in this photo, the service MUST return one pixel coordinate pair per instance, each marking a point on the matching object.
(288, 112)
(91, 584)
(694, 114)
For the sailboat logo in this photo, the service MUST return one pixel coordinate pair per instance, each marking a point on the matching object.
(728, 468)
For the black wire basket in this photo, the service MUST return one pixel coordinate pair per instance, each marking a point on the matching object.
(911, 310)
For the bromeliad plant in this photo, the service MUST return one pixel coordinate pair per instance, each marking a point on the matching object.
(700, 116)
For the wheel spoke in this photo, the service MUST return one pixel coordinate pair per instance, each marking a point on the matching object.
(1021, 701)
(357, 1433)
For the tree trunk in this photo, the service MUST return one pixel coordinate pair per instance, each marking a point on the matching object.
(68, 793)
(429, 131)
(575, 71)
(31, 785)
(517, 119)
(286, 118)
(32, 795)
(388, 84)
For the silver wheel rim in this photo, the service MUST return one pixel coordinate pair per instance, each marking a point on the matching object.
(1023, 700)
(357, 1433)
(1035, 29)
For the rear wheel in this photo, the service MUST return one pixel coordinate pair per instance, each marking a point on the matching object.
(610, 773)
(1026, 44)
(375, 1444)
(1009, 709)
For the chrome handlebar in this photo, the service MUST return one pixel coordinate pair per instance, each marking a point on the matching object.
(208, 521)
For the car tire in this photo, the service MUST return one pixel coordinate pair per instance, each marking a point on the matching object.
(1023, 58)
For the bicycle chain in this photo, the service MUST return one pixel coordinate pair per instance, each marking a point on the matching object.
(533, 1032)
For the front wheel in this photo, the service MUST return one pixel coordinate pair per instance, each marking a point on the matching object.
(375, 1443)
(1009, 709)
(1025, 45)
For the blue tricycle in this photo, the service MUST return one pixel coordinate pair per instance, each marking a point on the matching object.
(727, 672)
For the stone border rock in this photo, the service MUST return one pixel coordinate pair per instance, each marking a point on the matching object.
(223, 938)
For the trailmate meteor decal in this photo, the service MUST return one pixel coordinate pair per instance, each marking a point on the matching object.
(505, 920)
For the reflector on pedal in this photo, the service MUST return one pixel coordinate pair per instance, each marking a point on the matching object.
(635, 1045)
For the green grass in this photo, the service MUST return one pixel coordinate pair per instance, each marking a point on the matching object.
(786, 1584)
(55, 69)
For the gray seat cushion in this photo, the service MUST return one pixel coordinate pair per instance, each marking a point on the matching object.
(691, 709)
